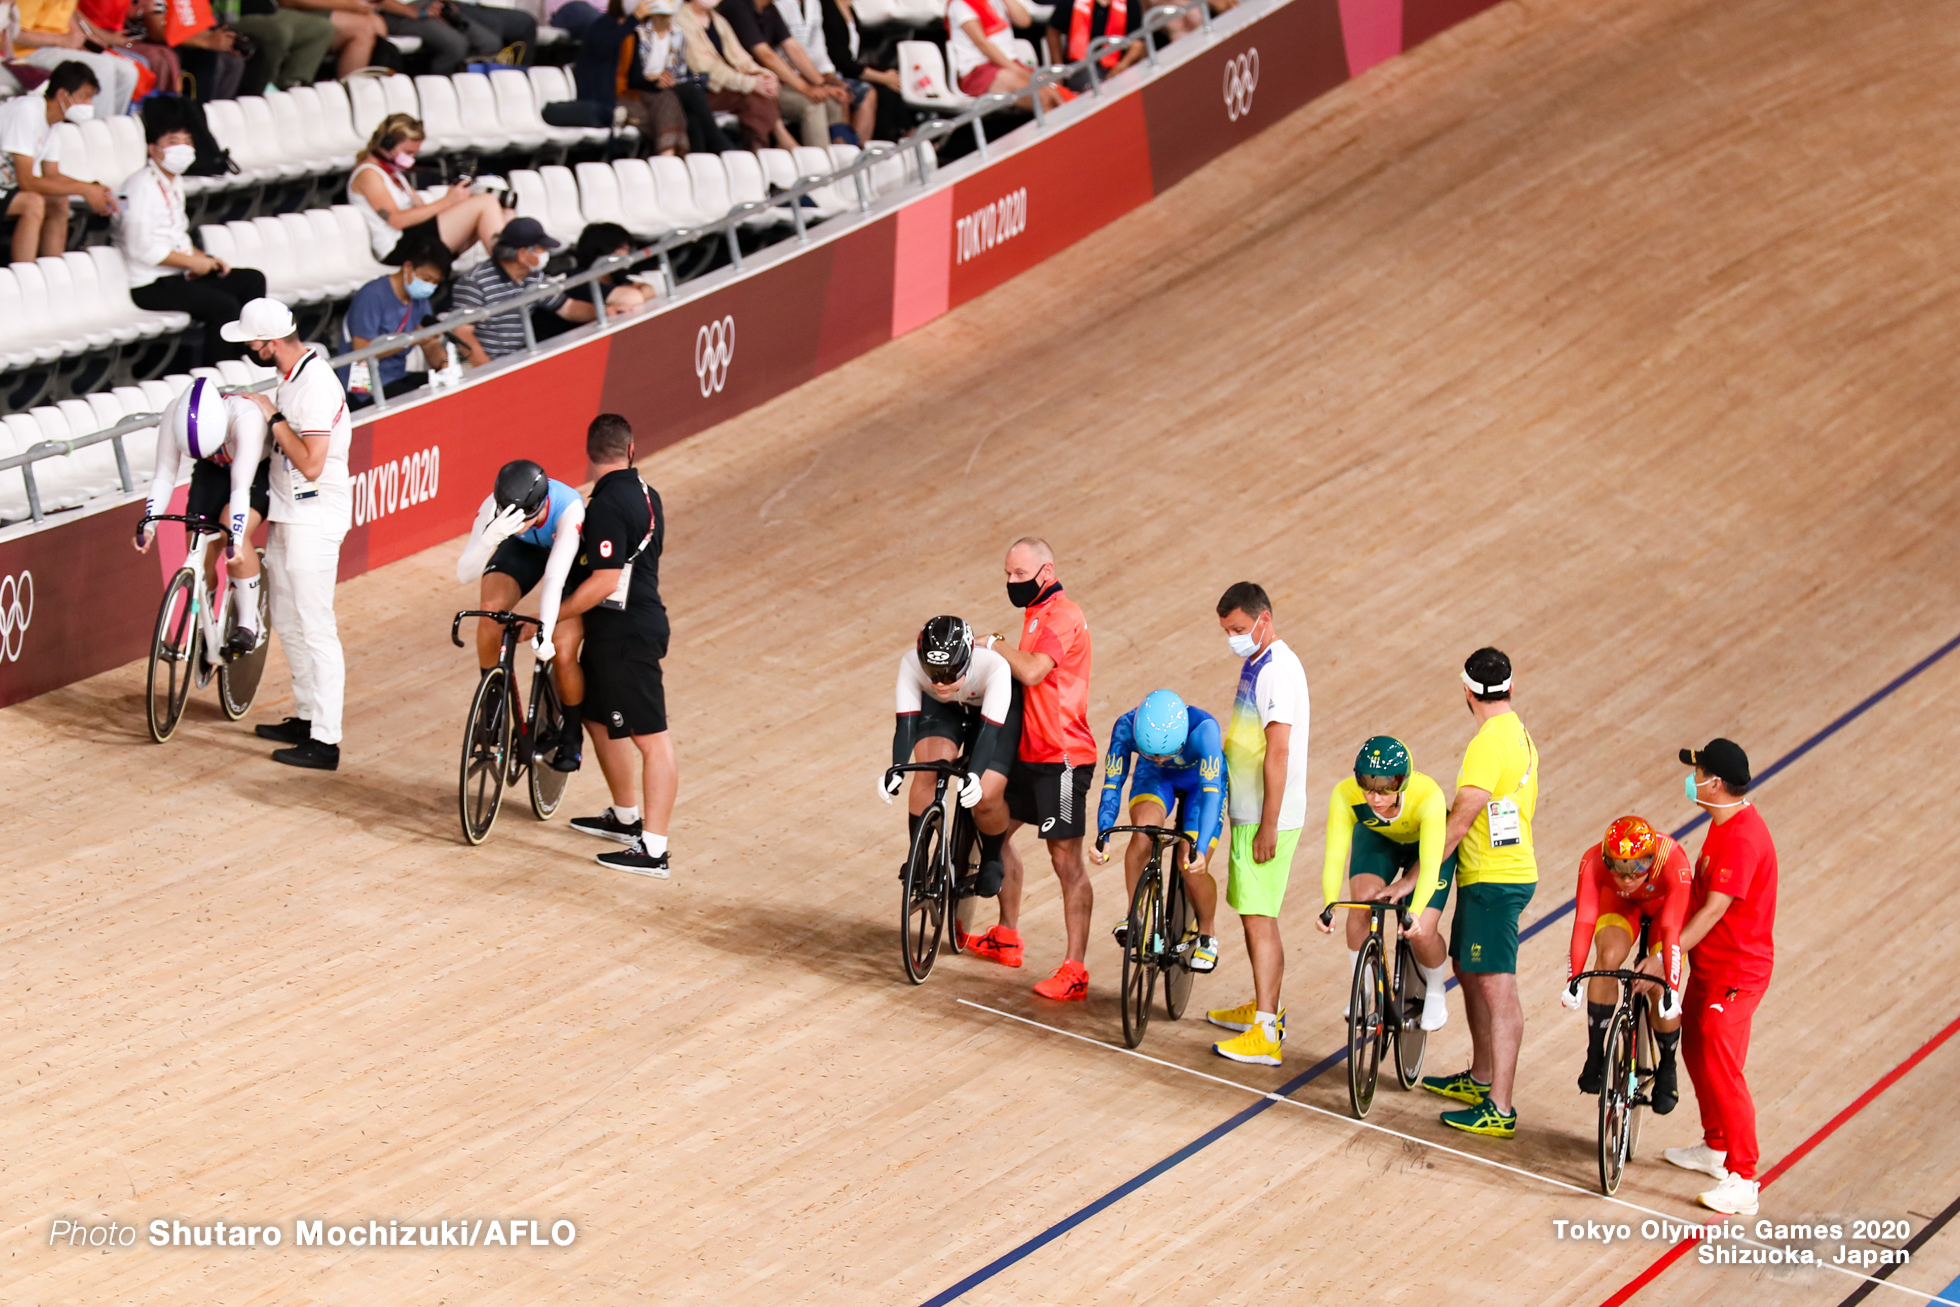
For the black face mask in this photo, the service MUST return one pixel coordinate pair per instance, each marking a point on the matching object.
(1022, 593)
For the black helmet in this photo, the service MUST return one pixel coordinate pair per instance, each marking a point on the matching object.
(945, 649)
(524, 484)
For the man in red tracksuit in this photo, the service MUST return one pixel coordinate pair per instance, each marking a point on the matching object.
(1728, 938)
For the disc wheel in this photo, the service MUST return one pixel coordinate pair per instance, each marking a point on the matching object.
(1365, 1028)
(547, 723)
(486, 757)
(173, 654)
(1140, 945)
(922, 904)
(1411, 1040)
(1177, 962)
(1616, 1102)
(238, 680)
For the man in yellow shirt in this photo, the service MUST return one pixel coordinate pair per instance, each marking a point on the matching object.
(1497, 872)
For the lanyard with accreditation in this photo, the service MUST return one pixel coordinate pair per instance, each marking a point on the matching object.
(1506, 825)
(617, 599)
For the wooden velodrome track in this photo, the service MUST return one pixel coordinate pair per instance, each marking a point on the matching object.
(1618, 334)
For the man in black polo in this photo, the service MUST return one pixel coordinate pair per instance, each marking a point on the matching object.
(625, 638)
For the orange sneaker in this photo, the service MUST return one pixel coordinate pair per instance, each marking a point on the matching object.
(1070, 983)
(998, 945)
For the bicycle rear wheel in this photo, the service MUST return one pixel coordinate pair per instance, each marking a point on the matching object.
(547, 723)
(486, 757)
(1144, 939)
(1411, 1040)
(173, 654)
(1616, 1101)
(1643, 1067)
(238, 680)
(1365, 1027)
(923, 897)
(1176, 961)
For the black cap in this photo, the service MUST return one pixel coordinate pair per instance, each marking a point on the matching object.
(1722, 759)
(525, 234)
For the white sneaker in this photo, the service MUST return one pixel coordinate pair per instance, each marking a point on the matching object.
(1699, 1158)
(1735, 1196)
(1435, 1010)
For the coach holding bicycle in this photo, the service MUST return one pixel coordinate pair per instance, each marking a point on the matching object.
(625, 707)
(1731, 918)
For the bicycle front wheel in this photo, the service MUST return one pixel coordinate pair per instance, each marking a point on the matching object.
(1616, 1101)
(238, 680)
(1645, 1056)
(1365, 1027)
(922, 905)
(173, 654)
(966, 864)
(547, 723)
(1180, 939)
(1411, 1040)
(1140, 945)
(486, 756)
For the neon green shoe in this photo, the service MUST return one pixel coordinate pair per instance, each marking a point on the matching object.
(1240, 1018)
(1482, 1118)
(1463, 1087)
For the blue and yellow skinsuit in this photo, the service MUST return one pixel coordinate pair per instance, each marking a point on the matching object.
(1197, 776)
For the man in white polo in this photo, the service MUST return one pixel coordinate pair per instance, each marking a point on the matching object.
(312, 507)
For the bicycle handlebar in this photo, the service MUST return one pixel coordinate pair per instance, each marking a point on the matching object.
(1400, 907)
(502, 619)
(1161, 834)
(1624, 975)
(209, 524)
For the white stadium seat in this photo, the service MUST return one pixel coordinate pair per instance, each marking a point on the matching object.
(517, 110)
(710, 178)
(402, 96)
(442, 120)
(564, 219)
(925, 84)
(476, 106)
(747, 185)
(129, 151)
(367, 100)
(296, 143)
(811, 161)
(675, 188)
(639, 200)
(598, 194)
(112, 283)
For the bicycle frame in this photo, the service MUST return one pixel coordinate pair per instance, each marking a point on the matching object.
(1629, 1039)
(1377, 1012)
(935, 894)
(205, 599)
(1153, 942)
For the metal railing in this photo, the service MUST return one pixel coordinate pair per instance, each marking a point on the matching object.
(727, 227)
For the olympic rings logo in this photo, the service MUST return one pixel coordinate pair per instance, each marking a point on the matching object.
(714, 351)
(1241, 77)
(16, 611)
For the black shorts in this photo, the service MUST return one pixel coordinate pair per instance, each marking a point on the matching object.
(210, 494)
(623, 689)
(1051, 797)
(521, 561)
(961, 725)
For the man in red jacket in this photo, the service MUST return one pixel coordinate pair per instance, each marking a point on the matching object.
(1728, 938)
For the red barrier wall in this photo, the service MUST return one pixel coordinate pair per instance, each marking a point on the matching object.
(422, 471)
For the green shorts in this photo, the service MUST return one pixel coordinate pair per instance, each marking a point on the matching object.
(1374, 854)
(1255, 889)
(1484, 933)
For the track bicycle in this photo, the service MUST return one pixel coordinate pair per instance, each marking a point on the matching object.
(1159, 936)
(1384, 1005)
(496, 752)
(940, 868)
(1630, 1061)
(194, 623)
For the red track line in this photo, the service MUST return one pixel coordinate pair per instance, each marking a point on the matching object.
(1857, 1105)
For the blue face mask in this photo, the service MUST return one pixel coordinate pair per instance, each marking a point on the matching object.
(419, 289)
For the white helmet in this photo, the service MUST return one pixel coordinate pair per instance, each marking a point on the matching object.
(197, 419)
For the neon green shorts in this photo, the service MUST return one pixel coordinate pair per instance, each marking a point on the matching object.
(1255, 889)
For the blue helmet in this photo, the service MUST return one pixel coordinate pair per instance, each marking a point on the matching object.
(1162, 724)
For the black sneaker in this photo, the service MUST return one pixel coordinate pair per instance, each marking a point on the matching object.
(1666, 1089)
(240, 642)
(635, 858)
(312, 755)
(294, 730)
(1593, 1075)
(608, 827)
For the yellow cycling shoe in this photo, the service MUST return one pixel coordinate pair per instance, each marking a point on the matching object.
(1252, 1046)
(1240, 1018)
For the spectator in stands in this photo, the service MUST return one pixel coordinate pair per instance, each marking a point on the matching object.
(449, 36)
(391, 305)
(120, 29)
(514, 266)
(380, 188)
(670, 107)
(981, 66)
(802, 95)
(846, 50)
(57, 34)
(33, 190)
(570, 16)
(166, 271)
(356, 27)
(291, 45)
(515, 29)
(805, 21)
(206, 50)
(737, 84)
(599, 240)
(1092, 18)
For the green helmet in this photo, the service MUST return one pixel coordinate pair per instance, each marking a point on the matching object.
(1382, 755)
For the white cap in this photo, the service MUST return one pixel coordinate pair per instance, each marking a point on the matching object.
(260, 319)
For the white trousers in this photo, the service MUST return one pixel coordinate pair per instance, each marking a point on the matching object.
(302, 563)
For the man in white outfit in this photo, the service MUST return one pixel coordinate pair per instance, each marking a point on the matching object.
(312, 507)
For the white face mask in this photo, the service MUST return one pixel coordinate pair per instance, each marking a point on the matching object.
(178, 158)
(79, 113)
(1243, 646)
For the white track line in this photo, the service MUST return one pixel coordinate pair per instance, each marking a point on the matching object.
(1428, 1143)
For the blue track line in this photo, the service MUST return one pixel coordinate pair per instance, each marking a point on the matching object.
(1226, 1127)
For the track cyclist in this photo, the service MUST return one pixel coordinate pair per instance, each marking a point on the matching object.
(952, 697)
(1630, 875)
(1385, 833)
(527, 531)
(224, 439)
(1180, 755)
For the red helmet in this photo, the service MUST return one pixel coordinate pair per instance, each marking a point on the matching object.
(1628, 838)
